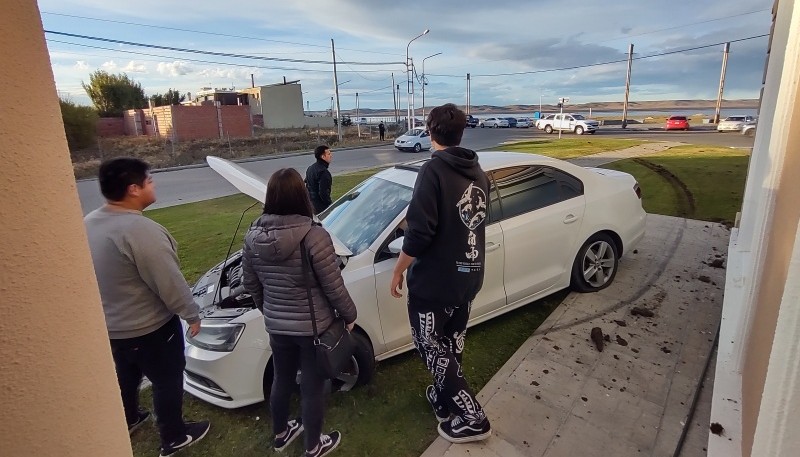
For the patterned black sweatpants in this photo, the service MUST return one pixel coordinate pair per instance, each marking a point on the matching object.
(438, 332)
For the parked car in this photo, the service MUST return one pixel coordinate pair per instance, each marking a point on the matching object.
(571, 123)
(677, 123)
(472, 121)
(362, 121)
(734, 123)
(749, 129)
(539, 124)
(512, 122)
(523, 123)
(495, 122)
(416, 140)
(550, 225)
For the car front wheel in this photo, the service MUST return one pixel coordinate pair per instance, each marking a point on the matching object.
(361, 367)
(579, 130)
(595, 265)
(417, 147)
(548, 129)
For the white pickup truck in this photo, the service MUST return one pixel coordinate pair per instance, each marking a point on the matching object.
(569, 122)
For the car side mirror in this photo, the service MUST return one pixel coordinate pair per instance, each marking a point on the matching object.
(396, 246)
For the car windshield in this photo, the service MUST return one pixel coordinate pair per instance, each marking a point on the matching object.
(735, 118)
(578, 117)
(362, 214)
(414, 132)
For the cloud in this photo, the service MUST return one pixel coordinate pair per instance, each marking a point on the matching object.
(81, 65)
(109, 65)
(174, 68)
(134, 67)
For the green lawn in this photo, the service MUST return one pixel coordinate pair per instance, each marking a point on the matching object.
(570, 148)
(707, 183)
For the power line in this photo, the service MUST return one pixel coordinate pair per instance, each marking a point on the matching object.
(213, 53)
(576, 67)
(206, 32)
(186, 59)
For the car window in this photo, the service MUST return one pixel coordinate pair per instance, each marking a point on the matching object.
(528, 188)
(578, 117)
(495, 212)
(734, 118)
(678, 118)
(362, 214)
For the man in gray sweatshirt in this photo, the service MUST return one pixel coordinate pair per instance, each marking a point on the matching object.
(143, 292)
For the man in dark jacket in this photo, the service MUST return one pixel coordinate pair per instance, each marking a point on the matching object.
(444, 248)
(319, 179)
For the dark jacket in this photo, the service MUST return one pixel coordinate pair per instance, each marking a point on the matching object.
(273, 275)
(318, 182)
(446, 230)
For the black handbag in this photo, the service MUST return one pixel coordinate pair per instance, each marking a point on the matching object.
(334, 347)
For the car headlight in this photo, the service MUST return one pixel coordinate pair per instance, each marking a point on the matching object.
(216, 337)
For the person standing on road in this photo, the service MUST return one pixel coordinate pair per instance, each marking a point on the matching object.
(319, 179)
(273, 274)
(444, 248)
(143, 292)
(381, 130)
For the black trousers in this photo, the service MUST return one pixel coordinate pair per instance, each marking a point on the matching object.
(439, 331)
(381, 135)
(159, 356)
(290, 353)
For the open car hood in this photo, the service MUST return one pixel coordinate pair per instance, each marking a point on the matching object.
(253, 185)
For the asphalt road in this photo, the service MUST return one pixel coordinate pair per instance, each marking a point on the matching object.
(197, 184)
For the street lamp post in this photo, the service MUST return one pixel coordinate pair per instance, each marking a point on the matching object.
(410, 81)
(425, 83)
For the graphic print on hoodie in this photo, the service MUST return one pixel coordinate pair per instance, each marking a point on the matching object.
(446, 231)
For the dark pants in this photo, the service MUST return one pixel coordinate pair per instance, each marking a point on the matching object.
(290, 353)
(159, 356)
(439, 331)
(381, 133)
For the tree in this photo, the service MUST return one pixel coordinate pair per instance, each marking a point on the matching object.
(113, 94)
(171, 97)
(80, 124)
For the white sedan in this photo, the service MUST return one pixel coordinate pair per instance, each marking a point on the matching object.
(550, 225)
(413, 140)
(495, 122)
(734, 123)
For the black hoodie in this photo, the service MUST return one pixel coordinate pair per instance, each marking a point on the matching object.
(446, 230)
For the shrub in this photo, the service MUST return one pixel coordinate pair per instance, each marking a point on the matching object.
(80, 123)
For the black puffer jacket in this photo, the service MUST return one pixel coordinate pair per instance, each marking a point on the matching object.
(273, 275)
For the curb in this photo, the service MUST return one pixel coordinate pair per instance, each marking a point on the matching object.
(247, 159)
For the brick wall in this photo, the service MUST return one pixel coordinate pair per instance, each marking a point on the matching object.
(110, 126)
(236, 121)
(134, 122)
(194, 122)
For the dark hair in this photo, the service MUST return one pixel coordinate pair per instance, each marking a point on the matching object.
(116, 175)
(287, 194)
(319, 150)
(446, 124)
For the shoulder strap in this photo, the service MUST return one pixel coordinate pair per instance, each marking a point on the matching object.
(307, 278)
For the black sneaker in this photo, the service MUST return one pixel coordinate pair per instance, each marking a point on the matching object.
(195, 431)
(293, 429)
(438, 409)
(141, 418)
(461, 431)
(327, 443)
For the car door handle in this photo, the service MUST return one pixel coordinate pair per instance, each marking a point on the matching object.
(570, 218)
(492, 247)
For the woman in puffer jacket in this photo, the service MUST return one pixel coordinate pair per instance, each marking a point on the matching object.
(273, 275)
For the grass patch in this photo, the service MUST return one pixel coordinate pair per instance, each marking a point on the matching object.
(570, 148)
(710, 183)
(390, 413)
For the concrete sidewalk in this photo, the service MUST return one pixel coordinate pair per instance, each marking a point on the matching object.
(559, 396)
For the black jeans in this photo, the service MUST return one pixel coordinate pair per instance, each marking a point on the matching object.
(159, 356)
(439, 331)
(290, 353)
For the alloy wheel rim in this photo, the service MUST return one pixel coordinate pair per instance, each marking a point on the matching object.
(349, 377)
(598, 263)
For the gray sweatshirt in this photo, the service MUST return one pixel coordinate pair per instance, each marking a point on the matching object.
(136, 264)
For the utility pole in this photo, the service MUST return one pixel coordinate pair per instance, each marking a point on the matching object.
(308, 108)
(358, 119)
(627, 87)
(469, 102)
(397, 111)
(726, 49)
(336, 88)
(394, 100)
(410, 80)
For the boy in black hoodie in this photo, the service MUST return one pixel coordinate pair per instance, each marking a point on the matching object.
(444, 248)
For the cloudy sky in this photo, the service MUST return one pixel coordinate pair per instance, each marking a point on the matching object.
(513, 50)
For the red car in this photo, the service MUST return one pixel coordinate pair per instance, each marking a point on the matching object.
(677, 123)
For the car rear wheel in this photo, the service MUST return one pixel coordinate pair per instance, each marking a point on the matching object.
(579, 130)
(417, 147)
(361, 367)
(595, 265)
(548, 129)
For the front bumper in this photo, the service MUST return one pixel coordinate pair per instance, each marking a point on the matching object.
(729, 128)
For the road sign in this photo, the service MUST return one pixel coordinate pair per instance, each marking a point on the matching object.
(563, 100)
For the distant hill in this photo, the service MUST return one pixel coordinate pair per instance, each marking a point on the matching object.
(653, 105)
